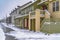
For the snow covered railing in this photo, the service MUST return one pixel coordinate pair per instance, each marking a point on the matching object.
(47, 12)
(43, 11)
(42, 2)
(32, 14)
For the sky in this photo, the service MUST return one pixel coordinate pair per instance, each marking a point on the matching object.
(6, 6)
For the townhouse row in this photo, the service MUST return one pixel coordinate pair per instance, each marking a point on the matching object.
(32, 15)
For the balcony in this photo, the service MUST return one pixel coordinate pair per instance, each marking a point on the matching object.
(22, 15)
(33, 14)
(42, 13)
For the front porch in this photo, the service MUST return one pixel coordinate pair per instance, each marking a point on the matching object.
(36, 18)
(22, 22)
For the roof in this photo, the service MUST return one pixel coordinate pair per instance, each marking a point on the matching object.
(20, 7)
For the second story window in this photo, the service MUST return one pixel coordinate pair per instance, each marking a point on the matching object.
(19, 12)
(56, 6)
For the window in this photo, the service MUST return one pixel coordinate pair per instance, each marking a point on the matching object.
(23, 12)
(27, 12)
(31, 8)
(56, 6)
(19, 12)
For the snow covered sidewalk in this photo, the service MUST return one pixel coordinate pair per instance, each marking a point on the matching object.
(19, 34)
(2, 35)
(33, 36)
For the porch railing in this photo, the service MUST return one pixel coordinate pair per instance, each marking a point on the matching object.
(42, 13)
(32, 14)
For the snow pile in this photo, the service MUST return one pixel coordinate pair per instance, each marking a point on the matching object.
(19, 34)
(10, 26)
(33, 35)
(27, 35)
(2, 35)
(55, 35)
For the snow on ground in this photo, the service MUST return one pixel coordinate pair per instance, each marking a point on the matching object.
(22, 34)
(2, 35)
(34, 35)
(11, 26)
(19, 34)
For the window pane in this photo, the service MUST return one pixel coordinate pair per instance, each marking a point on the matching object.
(57, 6)
(19, 12)
(53, 6)
(53, 9)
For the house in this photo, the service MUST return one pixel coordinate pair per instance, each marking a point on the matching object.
(8, 20)
(14, 13)
(34, 15)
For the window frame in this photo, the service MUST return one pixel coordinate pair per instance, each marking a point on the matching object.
(55, 6)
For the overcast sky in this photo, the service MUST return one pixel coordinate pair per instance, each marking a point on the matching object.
(6, 6)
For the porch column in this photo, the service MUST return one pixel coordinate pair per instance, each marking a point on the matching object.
(29, 22)
(37, 20)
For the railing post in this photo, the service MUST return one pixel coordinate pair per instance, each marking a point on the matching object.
(37, 20)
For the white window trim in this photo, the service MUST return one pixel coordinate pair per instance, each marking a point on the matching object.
(55, 6)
